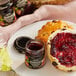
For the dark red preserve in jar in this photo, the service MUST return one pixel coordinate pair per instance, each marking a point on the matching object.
(34, 54)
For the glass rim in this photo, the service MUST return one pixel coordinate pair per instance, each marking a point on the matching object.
(43, 47)
(18, 39)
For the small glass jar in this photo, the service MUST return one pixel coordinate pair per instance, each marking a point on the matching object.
(34, 54)
(20, 42)
(7, 15)
(19, 7)
(23, 7)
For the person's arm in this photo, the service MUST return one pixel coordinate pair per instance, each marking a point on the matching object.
(21, 22)
(8, 31)
(64, 12)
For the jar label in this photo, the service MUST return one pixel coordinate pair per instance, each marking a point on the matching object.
(9, 17)
(34, 63)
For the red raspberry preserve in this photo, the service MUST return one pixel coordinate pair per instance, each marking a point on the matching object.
(63, 47)
(34, 54)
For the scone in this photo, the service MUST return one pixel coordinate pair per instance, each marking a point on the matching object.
(38, 3)
(49, 28)
(61, 48)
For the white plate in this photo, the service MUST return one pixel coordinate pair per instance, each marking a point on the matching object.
(18, 59)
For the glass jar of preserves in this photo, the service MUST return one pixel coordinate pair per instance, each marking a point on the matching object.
(23, 7)
(34, 54)
(7, 15)
(19, 7)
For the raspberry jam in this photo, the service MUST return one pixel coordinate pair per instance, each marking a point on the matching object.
(34, 54)
(63, 47)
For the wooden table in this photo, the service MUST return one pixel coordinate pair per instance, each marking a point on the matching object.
(10, 73)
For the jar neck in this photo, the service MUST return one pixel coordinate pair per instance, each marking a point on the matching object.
(5, 8)
(5, 5)
(6, 11)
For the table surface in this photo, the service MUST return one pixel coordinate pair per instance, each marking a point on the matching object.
(10, 73)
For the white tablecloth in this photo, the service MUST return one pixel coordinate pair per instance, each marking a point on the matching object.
(10, 73)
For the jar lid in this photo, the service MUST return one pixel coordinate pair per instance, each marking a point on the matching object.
(4, 4)
(20, 43)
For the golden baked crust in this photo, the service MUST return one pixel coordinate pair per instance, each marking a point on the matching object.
(55, 61)
(49, 28)
(38, 3)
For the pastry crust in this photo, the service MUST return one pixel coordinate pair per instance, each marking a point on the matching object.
(49, 28)
(47, 32)
(55, 61)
